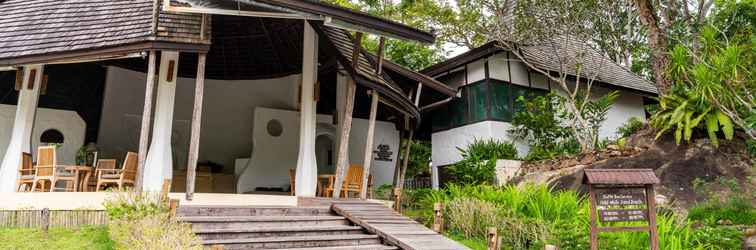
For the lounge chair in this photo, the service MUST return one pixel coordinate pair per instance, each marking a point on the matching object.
(47, 171)
(25, 172)
(119, 177)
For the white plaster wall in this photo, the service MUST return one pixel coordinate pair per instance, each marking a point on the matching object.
(476, 71)
(69, 123)
(272, 157)
(227, 121)
(519, 72)
(445, 143)
(497, 67)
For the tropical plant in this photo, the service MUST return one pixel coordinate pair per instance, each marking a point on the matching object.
(683, 112)
(713, 83)
(634, 124)
(478, 164)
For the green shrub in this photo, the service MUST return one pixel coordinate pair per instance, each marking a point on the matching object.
(132, 205)
(153, 232)
(141, 221)
(478, 164)
(529, 216)
(738, 210)
(634, 124)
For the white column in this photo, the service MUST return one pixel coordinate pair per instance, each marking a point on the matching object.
(307, 169)
(22, 127)
(434, 176)
(159, 163)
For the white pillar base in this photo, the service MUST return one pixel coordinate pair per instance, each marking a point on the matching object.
(307, 168)
(159, 163)
(22, 128)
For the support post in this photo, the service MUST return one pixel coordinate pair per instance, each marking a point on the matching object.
(172, 207)
(438, 217)
(652, 231)
(369, 144)
(342, 163)
(397, 200)
(406, 159)
(493, 238)
(144, 131)
(592, 218)
(159, 163)
(23, 123)
(307, 169)
(199, 89)
(45, 220)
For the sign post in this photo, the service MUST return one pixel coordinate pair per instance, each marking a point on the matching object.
(618, 195)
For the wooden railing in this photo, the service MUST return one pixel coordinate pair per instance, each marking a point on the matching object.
(43, 218)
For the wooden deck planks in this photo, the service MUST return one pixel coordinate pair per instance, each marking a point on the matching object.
(394, 228)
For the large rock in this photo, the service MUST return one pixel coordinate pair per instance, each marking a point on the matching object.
(678, 167)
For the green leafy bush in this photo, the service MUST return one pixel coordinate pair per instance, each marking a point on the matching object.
(532, 215)
(737, 210)
(682, 111)
(539, 125)
(132, 205)
(153, 232)
(478, 164)
(141, 221)
(634, 124)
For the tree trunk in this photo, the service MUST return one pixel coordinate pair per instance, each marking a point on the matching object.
(657, 41)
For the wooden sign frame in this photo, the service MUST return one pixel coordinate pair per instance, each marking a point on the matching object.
(621, 188)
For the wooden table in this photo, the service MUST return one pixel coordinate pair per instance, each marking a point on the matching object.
(78, 171)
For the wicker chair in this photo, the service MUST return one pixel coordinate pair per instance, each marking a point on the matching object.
(119, 177)
(26, 172)
(46, 170)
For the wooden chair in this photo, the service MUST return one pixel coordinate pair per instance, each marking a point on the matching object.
(101, 164)
(292, 180)
(352, 182)
(47, 171)
(120, 177)
(25, 172)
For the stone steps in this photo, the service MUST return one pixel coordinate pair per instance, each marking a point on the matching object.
(277, 228)
(261, 232)
(362, 247)
(297, 241)
(251, 211)
(225, 222)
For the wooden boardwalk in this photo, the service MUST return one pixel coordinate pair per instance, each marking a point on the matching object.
(394, 228)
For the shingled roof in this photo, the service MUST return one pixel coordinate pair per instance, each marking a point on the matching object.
(33, 27)
(549, 57)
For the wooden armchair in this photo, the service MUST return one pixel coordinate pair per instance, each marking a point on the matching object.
(352, 182)
(101, 164)
(119, 177)
(46, 170)
(292, 180)
(25, 172)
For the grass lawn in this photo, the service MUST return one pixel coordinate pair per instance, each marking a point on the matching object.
(57, 238)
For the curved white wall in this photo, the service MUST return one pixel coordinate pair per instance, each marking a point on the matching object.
(272, 157)
(69, 123)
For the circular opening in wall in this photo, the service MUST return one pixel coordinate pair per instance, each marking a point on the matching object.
(51, 136)
(275, 128)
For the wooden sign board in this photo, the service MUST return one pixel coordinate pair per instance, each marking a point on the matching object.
(616, 215)
(622, 195)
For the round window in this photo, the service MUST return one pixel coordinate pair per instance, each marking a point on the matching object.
(51, 136)
(275, 128)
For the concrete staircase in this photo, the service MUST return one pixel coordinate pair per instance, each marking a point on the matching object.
(277, 228)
